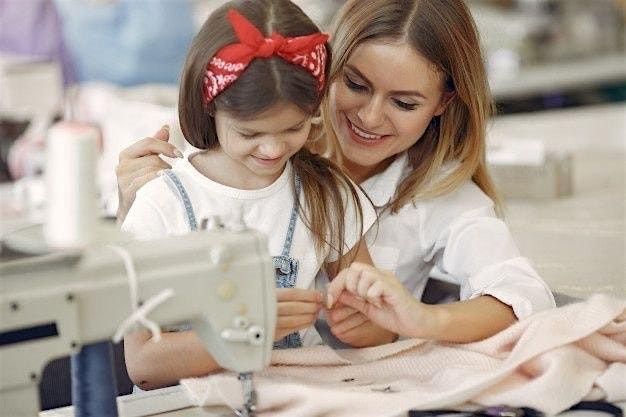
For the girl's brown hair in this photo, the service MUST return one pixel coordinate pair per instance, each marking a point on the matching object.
(266, 82)
(444, 32)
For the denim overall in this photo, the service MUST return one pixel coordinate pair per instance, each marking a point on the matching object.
(285, 267)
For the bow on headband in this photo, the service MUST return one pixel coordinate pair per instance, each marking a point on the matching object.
(230, 62)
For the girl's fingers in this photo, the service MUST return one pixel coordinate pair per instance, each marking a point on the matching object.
(290, 308)
(300, 320)
(282, 332)
(348, 324)
(298, 294)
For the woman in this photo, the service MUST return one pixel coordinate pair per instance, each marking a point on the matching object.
(406, 117)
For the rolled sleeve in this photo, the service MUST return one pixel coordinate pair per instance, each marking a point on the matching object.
(513, 282)
(478, 252)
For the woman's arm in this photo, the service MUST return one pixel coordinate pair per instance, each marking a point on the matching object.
(385, 301)
(467, 321)
(140, 163)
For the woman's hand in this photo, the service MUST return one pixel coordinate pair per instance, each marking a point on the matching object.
(382, 298)
(352, 327)
(140, 163)
(297, 309)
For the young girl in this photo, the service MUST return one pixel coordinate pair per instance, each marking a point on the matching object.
(406, 117)
(246, 100)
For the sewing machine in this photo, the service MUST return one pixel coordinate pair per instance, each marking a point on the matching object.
(54, 304)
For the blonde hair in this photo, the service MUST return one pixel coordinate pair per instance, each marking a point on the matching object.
(444, 32)
(327, 191)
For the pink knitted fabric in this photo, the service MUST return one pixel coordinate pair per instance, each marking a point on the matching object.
(548, 361)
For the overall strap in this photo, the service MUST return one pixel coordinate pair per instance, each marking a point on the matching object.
(174, 183)
(292, 219)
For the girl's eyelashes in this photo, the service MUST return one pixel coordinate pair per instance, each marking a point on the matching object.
(248, 135)
(255, 135)
(296, 129)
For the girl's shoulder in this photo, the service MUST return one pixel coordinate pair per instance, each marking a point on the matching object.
(161, 192)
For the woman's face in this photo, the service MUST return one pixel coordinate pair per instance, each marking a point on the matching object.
(383, 101)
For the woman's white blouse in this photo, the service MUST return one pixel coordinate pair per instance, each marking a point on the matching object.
(456, 237)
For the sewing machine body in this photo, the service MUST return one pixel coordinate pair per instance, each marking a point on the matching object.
(223, 284)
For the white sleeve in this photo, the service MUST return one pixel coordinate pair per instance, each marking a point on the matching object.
(477, 251)
(353, 233)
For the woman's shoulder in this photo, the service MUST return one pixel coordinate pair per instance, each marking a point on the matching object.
(439, 213)
(466, 197)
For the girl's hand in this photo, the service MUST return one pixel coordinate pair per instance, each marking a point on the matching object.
(352, 327)
(382, 298)
(297, 309)
(140, 163)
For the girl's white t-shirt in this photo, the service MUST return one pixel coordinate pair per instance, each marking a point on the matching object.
(456, 237)
(158, 212)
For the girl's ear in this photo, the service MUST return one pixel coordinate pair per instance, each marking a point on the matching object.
(446, 99)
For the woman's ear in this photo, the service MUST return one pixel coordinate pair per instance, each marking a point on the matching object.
(446, 99)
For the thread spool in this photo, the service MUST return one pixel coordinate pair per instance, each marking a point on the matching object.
(71, 215)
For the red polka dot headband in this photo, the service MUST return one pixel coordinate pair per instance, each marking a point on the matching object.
(308, 52)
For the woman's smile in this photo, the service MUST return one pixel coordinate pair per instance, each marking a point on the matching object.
(362, 136)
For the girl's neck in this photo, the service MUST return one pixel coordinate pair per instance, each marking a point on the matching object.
(359, 173)
(218, 167)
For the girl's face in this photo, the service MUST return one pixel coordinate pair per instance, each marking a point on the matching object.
(257, 150)
(382, 103)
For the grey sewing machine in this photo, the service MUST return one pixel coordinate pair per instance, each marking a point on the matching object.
(52, 305)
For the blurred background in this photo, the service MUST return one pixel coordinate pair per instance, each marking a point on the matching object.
(557, 70)
(556, 148)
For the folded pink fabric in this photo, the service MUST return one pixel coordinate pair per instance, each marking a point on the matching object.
(548, 361)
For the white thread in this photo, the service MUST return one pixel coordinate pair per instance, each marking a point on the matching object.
(139, 316)
(139, 313)
(71, 204)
